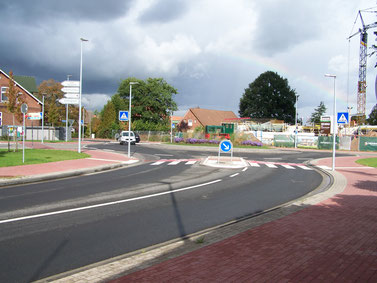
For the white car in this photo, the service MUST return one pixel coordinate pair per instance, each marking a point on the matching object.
(126, 136)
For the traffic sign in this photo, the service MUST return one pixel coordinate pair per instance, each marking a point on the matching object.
(72, 95)
(71, 83)
(342, 118)
(34, 116)
(24, 108)
(71, 89)
(225, 145)
(123, 115)
(69, 101)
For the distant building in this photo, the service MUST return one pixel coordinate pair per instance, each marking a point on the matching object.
(198, 117)
(27, 93)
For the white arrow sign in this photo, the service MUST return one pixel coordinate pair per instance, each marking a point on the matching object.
(71, 95)
(71, 89)
(69, 101)
(71, 83)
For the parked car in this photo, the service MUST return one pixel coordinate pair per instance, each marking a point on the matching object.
(137, 137)
(126, 136)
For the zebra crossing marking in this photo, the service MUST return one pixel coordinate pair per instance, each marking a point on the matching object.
(252, 163)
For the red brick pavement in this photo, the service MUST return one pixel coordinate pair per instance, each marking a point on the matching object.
(333, 241)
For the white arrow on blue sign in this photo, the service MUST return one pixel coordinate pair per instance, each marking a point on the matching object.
(226, 146)
(123, 115)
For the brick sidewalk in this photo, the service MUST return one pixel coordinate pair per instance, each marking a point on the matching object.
(333, 241)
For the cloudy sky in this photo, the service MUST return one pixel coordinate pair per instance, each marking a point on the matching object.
(210, 50)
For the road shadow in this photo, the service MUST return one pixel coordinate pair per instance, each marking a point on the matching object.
(44, 265)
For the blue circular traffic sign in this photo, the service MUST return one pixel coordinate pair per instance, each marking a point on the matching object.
(225, 146)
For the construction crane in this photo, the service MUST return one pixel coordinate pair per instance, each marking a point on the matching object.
(361, 84)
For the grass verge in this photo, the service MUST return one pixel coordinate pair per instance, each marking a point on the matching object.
(371, 162)
(37, 156)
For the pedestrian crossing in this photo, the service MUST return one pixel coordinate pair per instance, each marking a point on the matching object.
(252, 163)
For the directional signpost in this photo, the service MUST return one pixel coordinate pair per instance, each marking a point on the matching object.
(123, 116)
(71, 91)
(225, 146)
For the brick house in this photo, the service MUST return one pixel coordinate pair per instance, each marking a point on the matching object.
(34, 104)
(198, 117)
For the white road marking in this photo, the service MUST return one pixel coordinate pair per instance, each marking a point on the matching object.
(175, 162)
(287, 166)
(234, 175)
(158, 162)
(304, 167)
(191, 162)
(244, 169)
(270, 165)
(254, 164)
(106, 203)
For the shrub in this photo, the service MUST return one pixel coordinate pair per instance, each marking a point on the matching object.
(251, 143)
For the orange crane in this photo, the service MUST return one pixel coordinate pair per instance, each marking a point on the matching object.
(361, 84)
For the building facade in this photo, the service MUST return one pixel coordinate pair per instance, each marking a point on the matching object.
(34, 104)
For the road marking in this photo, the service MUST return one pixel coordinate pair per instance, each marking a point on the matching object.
(287, 166)
(191, 162)
(106, 203)
(234, 175)
(158, 162)
(304, 167)
(254, 164)
(174, 162)
(270, 165)
(244, 169)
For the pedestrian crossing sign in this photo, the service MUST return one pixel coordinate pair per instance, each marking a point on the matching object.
(343, 118)
(123, 115)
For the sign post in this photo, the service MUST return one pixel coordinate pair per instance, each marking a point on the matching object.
(24, 111)
(225, 146)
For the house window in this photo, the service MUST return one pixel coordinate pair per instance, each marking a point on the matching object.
(190, 123)
(3, 97)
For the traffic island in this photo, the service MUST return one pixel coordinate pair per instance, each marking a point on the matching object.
(225, 162)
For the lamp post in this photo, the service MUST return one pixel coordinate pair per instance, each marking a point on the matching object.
(81, 41)
(129, 120)
(296, 123)
(43, 115)
(334, 124)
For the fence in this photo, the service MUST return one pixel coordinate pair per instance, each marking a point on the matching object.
(35, 133)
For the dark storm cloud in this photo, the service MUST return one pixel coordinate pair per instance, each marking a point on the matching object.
(284, 24)
(163, 11)
(39, 10)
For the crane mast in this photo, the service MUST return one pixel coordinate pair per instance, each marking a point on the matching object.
(361, 84)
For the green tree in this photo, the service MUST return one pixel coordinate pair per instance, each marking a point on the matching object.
(152, 101)
(318, 112)
(372, 120)
(14, 106)
(108, 122)
(52, 91)
(269, 96)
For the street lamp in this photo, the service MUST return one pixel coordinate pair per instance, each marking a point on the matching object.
(296, 123)
(334, 124)
(129, 120)
(81, 41)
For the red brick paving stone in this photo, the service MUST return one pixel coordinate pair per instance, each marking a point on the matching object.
(334, 241)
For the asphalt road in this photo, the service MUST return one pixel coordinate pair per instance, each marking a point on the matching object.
(74, 222)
